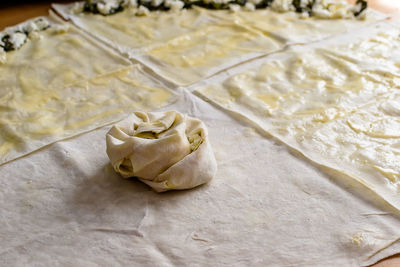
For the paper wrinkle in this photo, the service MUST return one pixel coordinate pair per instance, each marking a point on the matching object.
(165, 150)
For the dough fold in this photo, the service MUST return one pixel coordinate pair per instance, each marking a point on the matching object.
(165, 150)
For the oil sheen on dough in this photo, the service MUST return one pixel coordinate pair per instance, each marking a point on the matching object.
(338, 105)
(61, 84)
(193, 44)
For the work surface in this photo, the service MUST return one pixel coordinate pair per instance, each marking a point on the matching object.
(14, 14)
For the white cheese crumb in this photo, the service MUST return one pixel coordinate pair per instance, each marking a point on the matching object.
(249, 6)
(78, 7)
(320, 12)
(304, 15)
(1, 37)
(332, 9)
(17, 39)
(174, 5)
(35, 36)
(30, 27)
(304, 3)
(282, 5)
(156, 3)
(102, 8)
(234, 7)
(106, 7)
(340, 10)
(42, 23)
(61, 28)
(133, 3)
(142, 11)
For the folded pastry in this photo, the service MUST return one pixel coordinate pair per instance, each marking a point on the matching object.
(165, 150)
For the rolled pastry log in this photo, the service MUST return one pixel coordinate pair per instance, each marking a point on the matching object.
(165, 150)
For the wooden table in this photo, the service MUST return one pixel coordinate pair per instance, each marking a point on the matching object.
(19, 11)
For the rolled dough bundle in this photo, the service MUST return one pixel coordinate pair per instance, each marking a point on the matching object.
(165, 150)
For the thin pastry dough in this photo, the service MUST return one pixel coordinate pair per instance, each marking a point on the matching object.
(165, 150)
(336, 104)
(61, 83)
(193, 44)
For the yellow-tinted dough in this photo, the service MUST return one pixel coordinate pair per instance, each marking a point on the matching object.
(337, 105)
(60, 84)
(190, 45)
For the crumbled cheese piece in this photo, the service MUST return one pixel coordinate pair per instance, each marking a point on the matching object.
(35, 36)
(282, 5)
(42, 24)
(234, 7)
(18, 39)
(305, 3)
(1, 39)
(103, 8)
(142, 11)
(15, 37)
(133, 3)
(249, 6)
(156, 3)
(30, 27)
(340, 10)
(320, 12)
(78, 7)
(333, 9)
(174, 5)
(305, 8)
(61, 28)
(106, 8)
(304, 15)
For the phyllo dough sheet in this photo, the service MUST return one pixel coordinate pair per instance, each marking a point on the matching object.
(337, 102)
(68, 207)
(61, 83)
(187, 46)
